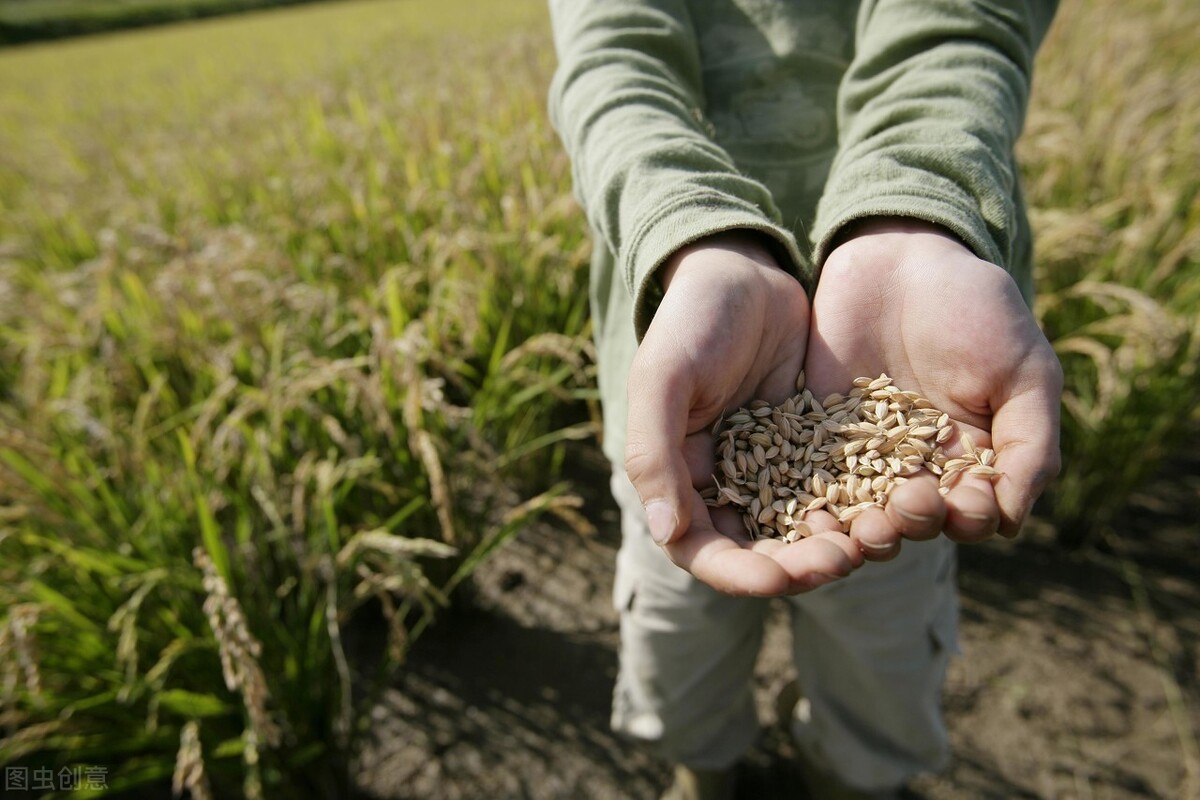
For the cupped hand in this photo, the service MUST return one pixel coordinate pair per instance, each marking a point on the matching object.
(732, 327)
(909, 299)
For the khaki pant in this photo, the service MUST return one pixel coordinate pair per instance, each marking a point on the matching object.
(870, 651)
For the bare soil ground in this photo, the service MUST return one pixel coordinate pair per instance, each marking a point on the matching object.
(1078, 677)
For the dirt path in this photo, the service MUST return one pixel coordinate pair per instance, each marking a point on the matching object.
(1078, 677)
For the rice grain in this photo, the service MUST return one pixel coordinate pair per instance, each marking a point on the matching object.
(844, 455)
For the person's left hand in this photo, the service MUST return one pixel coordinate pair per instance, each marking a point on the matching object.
(906, 298)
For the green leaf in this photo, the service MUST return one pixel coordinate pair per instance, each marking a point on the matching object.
(63, 605)
(193, 704)
(210, 534)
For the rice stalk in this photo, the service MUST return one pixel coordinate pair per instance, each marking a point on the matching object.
(189, 774)
(239, 650)
(1114, 116)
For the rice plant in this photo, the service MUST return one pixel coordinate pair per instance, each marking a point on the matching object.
(1110, 148)
(289, 327)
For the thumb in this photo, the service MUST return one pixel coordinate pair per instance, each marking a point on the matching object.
(660, 390)
(1025, 436)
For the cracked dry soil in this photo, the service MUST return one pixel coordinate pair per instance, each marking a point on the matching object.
(1078, 677)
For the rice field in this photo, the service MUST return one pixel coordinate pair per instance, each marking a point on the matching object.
(293, 319)
(293, 328)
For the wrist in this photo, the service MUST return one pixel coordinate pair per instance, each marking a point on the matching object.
(892, 228)
(892, 241)
(746, 246)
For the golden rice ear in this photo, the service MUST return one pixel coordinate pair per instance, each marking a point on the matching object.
(238, 649)
(189, 772)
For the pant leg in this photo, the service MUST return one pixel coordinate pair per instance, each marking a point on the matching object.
(871, 652)
(684, 686)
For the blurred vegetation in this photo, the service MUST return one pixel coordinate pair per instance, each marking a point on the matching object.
(1110, 154)
(293, 325)
(23, 21)
(293, 322)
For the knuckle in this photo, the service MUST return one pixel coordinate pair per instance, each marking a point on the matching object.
(639, 464)
(1054, 374)
(1049, 471)
(1055, 466)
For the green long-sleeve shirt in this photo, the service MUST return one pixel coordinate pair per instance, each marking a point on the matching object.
(793, 119)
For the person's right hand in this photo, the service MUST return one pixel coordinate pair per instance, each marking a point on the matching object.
(908, 298)
(732, 327)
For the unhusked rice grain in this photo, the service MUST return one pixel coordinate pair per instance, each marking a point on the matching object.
(843, 454)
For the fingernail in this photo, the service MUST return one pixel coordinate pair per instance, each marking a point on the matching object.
(662, 520)
(986, 522)
(877, 547)
(976, 517)
(920, 519)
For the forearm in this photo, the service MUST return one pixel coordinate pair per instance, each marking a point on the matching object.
(930, 111)
(627, 103)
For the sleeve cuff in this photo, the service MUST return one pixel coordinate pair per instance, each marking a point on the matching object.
(689, 218)
(928, 205)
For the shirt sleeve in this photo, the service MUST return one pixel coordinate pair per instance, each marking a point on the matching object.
(929, 112)
(627, 103)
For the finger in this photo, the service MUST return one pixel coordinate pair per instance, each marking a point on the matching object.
(1025, 432)
(659, 392)
(769, 542)
(767, 566)
(875, 535)
(730, 521)
(699, 456)
(720, 562)
(766, 547)
(821, 521)
(972, 514)
(811, 523)
(915, 508)
(820, 559)
(850, 550)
